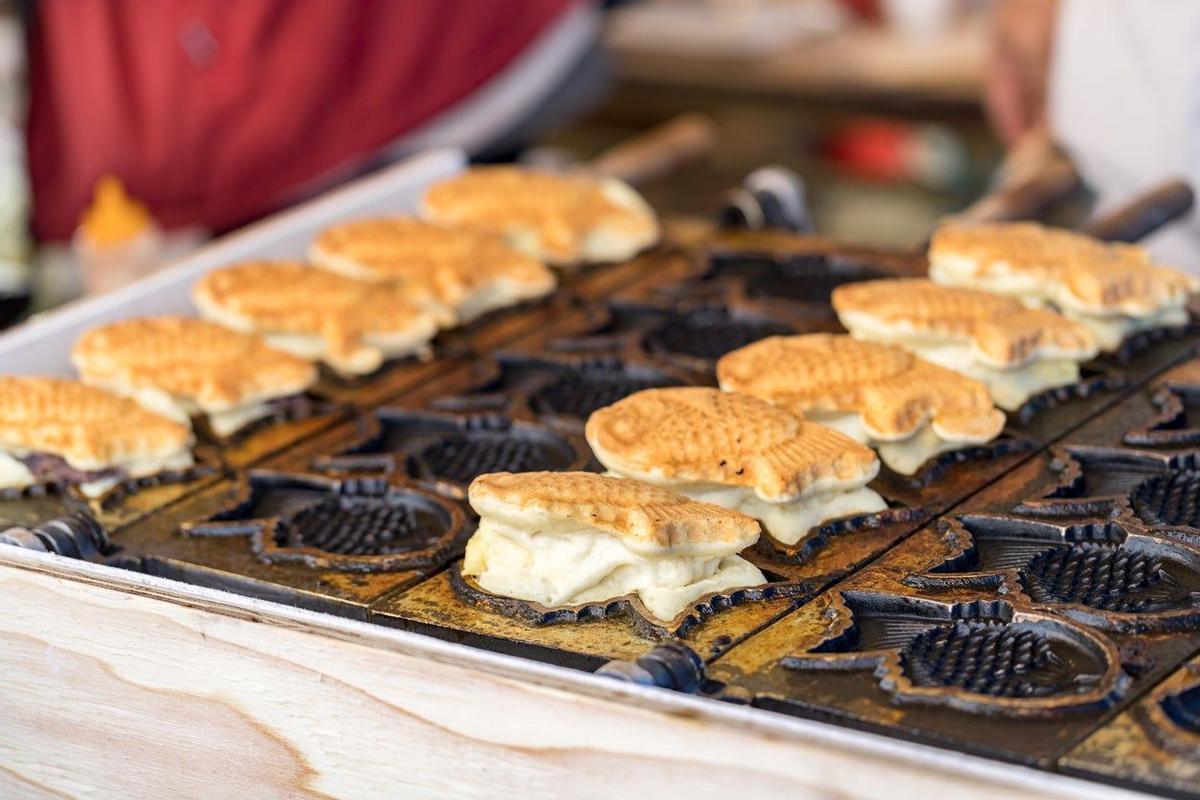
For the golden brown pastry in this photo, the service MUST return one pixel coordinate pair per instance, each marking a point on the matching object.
(1015, 351)
(564, 220)
(740, 452)
(1113, 288)
(905, 407)
(60, 431)
(569, 538)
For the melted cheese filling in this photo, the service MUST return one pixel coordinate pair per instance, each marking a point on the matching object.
(571, 565)
(604, 245)
(156, 400)
(492, 296)
(789, 522)
(1111, 331)
(14, 474)
(223, 421)
(950, 270)
(229, 421)
(375, 348)
(786, 522)
(1009, 387)
(138, 467)
(93, 489)
(905, 456)
(844, 422)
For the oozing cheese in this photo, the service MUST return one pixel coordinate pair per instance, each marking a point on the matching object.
(13, 474)
(789, 522)
(139, 467)
(1009, 386)
(950, 270)
(1111, 331)
(363, 360)
(786, 522)
(904, 456)
(156, 400)
(223, 421)
(489, 297)
(603, 244)
(847, 422)
(570, 565)
(98, 487)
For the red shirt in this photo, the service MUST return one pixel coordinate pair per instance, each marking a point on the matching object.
(213, 111)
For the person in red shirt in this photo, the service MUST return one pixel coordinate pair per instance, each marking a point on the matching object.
(214, 112)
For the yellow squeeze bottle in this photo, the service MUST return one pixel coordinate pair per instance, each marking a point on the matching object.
(117, 241)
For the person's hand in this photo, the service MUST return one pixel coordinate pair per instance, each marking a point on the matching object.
(1021, 34)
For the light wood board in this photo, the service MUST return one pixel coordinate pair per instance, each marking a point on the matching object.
(124, 685)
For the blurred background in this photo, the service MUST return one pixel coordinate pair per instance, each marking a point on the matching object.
(877, 105)
(133, 132)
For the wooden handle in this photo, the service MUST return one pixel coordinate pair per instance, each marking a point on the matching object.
(1146, 214)
(1025, 199)
(660, 151)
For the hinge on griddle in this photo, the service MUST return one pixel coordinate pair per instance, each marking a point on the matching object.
(75, 535)
(670, 665)
(771, 197)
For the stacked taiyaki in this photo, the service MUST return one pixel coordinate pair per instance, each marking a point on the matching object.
(740, 452)
(907, 408)
(567, 221)
(1016, 352)
(569, 538)
(465, 272)
(54, 431)
(377, 289)
(1113, 288)
(186, 367)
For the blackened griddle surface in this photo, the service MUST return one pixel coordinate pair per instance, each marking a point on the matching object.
(682, 318)
(987, 658)
(461, 457)
(809, 279)
(360, 526)
(1171, 499)
(709, 333)
(1152, 746)
(578, 393)
(1104, 577)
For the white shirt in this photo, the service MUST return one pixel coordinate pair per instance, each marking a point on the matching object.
(1125, 103)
